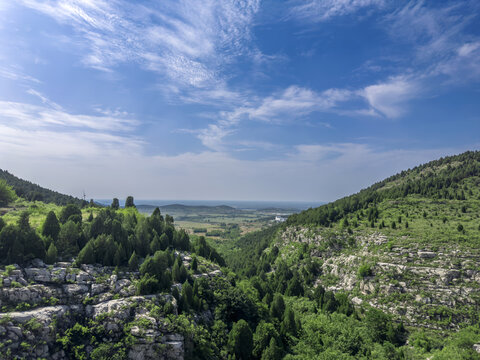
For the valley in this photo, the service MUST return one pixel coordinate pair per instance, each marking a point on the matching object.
(392, 272)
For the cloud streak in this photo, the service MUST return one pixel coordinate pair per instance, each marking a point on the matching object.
(187, 43)
(324, 10)
(22, 115)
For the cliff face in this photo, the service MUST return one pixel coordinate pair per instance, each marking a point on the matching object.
(424, 285)
(52, 311)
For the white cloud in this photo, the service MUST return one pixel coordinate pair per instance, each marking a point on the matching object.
(390, 98)
(23, 115)
(41, 144)
(468, 49)
(295, 102)
(438, 35)
(187, 43)
(44, 99)
(323, 10)
(212, 136)
(14, 73)
(288, 105)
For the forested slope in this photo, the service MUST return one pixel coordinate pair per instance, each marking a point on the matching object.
(34, 192)
(408, 246)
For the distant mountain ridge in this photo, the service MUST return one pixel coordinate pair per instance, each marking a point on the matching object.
(188, 208)
(33, 192)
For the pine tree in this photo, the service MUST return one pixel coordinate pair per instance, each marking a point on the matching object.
(115, 204)
(133, 262)
(118, 258)
(129, 202)
(7, 194)
(68, 211)
(24, 222)
(155, 244)
(289, 323)
(187, 293)
(176, 272)
(277, 307)
(67, 239)
(183, 273)
(86, 255)
(51, 256)
(240, 340)
(272, 352)
(194, 264)
(51, 226)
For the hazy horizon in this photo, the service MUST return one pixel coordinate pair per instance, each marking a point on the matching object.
(239, 204)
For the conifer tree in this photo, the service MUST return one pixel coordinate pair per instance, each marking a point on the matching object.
(51, 256)
(115, 204)
(51, 226)
(194, 264)
(155, 244)
(129, 202)
(133, 262)
(240, 340)
(86, 255)
(7, 194)
(277, 307)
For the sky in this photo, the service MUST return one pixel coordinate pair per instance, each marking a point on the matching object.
(234, 99)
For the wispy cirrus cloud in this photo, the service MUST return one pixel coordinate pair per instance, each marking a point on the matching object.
(28, 116)
(441, 43)
(443, 54)
(16, 74)
(289, 105)
(323, 10)
(187, 43)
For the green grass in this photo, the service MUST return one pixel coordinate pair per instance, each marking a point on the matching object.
(38, 211)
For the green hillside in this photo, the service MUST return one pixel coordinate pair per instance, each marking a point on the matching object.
(449, 178)
(408, 246)
(33, 192)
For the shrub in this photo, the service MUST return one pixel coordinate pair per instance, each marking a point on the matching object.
(365, 270)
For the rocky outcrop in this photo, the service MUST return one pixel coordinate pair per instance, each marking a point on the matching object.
(421, 286)
(41, 303)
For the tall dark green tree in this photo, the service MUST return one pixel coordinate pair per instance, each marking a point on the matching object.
(67, 243)
(69, 211)
(115, 204)
(277, 307)
(133, 262)
(52, 253)
(273, 351)
(51, 226)
(240, 340)
(264, 332)
(129, 202)
(7, 194)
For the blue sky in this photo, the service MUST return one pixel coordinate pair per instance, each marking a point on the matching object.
(247, 100)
